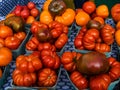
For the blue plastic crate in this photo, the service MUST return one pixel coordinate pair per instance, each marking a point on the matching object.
(108, 54)
(110, 87)
(6, 72)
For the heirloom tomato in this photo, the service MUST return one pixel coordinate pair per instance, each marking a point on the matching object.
(32, 44)
(23, 79)
(79, 80)
(102, 47)
(47, 77)
(12, 42)
(69, 60)
(46, 45)
(50, 59)
(114, 71)
(100, 82)
(61, 41)
(28, 63)
(90, 38)
(107, 34)
(20, 35)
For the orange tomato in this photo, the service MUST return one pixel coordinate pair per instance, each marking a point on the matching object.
(5, 56)
(117, 37)
(45, 17)
(118, 25)
(82, 18)
(5, 31)
(89, 7)
(2, 42)
(0, 73)
(99, 19)
(30, 19)
(102, 11)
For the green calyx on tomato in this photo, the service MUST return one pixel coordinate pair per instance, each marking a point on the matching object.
(57, 7)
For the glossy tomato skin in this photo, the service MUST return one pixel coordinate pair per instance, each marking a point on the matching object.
(36, 25)
(114, 71)
(90, 38)
(69, 59)
(32, 44)
(46, 45)
(89, 7)
(57, 29)
(28, 63)
(107, 33)
(102, 47)
(31, 5)
(5, 56)
(5, 31)
(34, 12)
(12, 42)
(100, 82)
(47, 77)
(78, 42)
(61, 41)
(20, 35)
(50, 59)
(23, 79)
(79, 80)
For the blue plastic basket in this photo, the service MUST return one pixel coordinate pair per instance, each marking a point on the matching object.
(6, 72)
(108, 54)
(110, 87)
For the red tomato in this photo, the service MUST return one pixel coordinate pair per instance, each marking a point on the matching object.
(69, 60)
(100, 82)
(20, 35)
(28, 63)
(47, 77)
(50, 59)
(23, 79)
(79, 80)
(89, 7)
(114, 71)
(34, 12)
(12, 42)
(31, 5)
(25, 13)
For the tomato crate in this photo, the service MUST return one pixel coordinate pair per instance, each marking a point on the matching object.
(13, 86)
(110, 87)
(107, 21)
(21, 48)
(59, 52)
(6, 72)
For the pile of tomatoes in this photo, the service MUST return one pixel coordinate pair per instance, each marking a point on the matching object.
(28, 12)
(83, 81)
(49, 35)
(40, 68)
